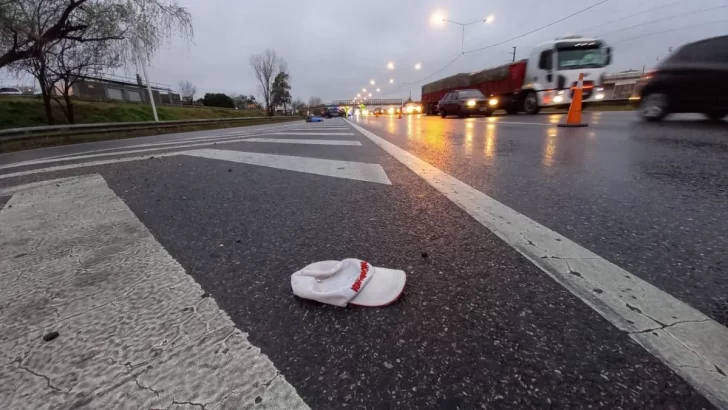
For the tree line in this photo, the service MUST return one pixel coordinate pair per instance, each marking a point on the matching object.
(60, 42)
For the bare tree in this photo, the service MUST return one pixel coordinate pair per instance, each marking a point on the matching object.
(34, 33)
(314, 102)
(298, 106)
(28, 26)
(187, 89)
(71, 61)
(266, 66)
(151, 24)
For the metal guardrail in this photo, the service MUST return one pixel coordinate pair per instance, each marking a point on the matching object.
(63, 130)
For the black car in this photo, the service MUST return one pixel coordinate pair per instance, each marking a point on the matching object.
(692, 79)
(331, 112)
(463, 103)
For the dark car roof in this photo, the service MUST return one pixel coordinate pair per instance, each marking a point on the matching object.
(715, 49)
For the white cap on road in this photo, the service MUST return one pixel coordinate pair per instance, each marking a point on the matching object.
(350, 281)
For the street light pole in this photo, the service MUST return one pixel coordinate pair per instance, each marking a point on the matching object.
(140, 59)
(488, 20)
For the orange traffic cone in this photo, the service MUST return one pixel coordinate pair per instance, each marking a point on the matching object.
(573, 119)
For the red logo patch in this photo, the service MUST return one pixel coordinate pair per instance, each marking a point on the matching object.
(363, 274)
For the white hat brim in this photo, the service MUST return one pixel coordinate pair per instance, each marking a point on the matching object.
(384, 288)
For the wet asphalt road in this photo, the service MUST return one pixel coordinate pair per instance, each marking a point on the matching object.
(478, 326)
(652, 198)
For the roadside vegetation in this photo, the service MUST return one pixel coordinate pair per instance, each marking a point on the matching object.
(16, 112)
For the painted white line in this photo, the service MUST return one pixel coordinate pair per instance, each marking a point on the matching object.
(183, 140)
(133, 326)
(692, 344)
(315, 129)
(84, 164)
(320, 134)
(215, 138)
(126, 152)
(337, 169)
(304, 142)
(109, 154)
(542, 124)
(24, 187)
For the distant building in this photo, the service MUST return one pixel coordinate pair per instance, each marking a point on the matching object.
(123, 89)
(620, 86)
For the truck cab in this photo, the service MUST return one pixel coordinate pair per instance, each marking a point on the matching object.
(553, 69)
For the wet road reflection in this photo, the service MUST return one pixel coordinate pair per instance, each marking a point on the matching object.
(490, 142)
(550, 147)
(649, 197)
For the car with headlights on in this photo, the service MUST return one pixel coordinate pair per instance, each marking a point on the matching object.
(412, 108)
(465, 103)
(333, 112)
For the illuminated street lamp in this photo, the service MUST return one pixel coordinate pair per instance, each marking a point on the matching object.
(371, 82)
(358, 95)
(377, 89)
(370, 94)
(418, 66)
(390, 66)
(364, 90)
(438, 18)
(391, 80)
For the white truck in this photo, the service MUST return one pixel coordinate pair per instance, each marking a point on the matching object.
(546, 79)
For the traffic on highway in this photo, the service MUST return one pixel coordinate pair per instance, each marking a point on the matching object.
(539, 221)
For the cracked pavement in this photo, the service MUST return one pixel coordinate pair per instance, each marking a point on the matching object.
(135, 331)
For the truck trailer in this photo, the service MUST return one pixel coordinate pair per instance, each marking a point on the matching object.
(547, 78)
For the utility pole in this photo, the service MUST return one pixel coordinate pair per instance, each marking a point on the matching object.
(514, 55)
(140, 59)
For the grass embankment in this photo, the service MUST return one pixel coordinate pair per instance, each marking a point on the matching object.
(17, 112)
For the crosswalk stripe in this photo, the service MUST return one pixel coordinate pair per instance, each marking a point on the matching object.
(139, 331)
(327, 167)
(84, 164)
(320, 134)
(302, 141)
(318, 129)
(218, 141)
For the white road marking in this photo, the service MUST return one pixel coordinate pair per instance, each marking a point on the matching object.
(135, 151)
(320, 134)
(304, 142)
(212, 138)
(24, 187)
(542, 124)
(688, 341)
(315, 129)
(337, 169)
(215, 137)
(134, 327)
(85, 164)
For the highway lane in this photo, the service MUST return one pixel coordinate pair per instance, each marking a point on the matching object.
(478, 325)
(649, 197)
(34, 154)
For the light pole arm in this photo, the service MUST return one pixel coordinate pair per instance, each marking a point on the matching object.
(455, 22)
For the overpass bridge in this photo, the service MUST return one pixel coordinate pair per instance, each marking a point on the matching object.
(370, 101)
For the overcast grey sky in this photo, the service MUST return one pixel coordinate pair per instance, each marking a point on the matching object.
(333, 48)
